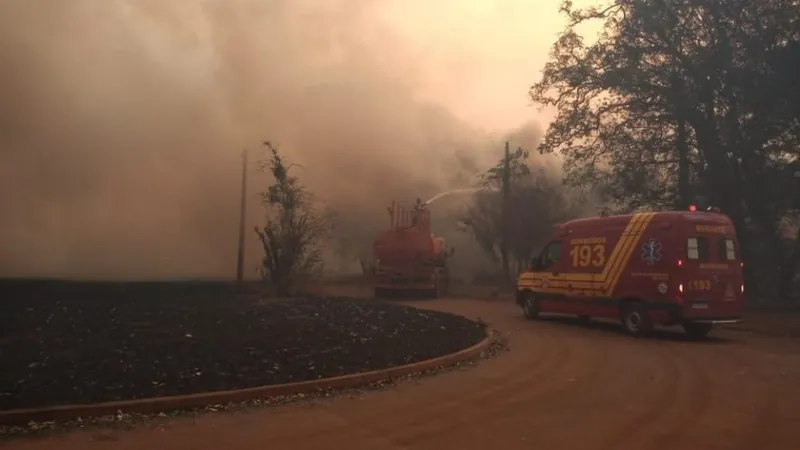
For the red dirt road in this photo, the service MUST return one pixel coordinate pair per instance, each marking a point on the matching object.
(562, 387)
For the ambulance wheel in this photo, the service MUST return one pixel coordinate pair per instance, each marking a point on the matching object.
(636, 319)
(696, 330)
(530, 306)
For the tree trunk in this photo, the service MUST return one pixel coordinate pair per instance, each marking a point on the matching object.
(788, 270)
(684, 190)
(685, 197)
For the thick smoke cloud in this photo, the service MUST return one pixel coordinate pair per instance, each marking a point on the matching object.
(121, 125)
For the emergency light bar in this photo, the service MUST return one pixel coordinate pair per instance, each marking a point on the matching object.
(715, 209)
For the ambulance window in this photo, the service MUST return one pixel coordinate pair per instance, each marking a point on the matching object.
(551, 254)
(726, 250)
(697, 248)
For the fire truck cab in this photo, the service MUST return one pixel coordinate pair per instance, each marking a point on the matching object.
(666, 268)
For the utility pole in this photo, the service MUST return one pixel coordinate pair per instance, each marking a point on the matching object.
(242, 214)
(504, 221)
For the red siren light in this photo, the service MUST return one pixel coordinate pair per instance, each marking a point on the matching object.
(692, 208)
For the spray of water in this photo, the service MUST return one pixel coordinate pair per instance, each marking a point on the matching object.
(453, 191)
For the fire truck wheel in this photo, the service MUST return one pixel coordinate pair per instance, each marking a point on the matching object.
(530, 307)
(696, 330)
(436, 291)
(636, 319)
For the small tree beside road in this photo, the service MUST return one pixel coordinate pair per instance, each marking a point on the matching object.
(294, 236)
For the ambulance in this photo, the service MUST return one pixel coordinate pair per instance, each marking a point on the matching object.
(645, 269)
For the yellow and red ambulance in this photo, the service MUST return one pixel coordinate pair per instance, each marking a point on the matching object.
(668, 268)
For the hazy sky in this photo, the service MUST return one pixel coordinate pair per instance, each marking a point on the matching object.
(122, 121)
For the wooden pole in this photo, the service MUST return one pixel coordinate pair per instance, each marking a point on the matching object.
(242, 214)
(505, 212)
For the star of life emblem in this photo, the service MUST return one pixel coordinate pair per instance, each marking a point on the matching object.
(651, 251)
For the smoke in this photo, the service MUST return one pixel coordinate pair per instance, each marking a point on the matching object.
(122, 121)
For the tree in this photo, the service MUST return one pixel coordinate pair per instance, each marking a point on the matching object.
(510, 167)
(680, 101)
(534, 201)
(296, 231)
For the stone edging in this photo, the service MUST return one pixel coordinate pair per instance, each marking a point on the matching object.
(177, 402)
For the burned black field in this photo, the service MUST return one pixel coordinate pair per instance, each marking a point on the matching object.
(69, 343)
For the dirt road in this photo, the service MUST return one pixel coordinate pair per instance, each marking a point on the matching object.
(561, 387)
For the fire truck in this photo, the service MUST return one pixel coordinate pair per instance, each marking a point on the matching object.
(409, 258)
